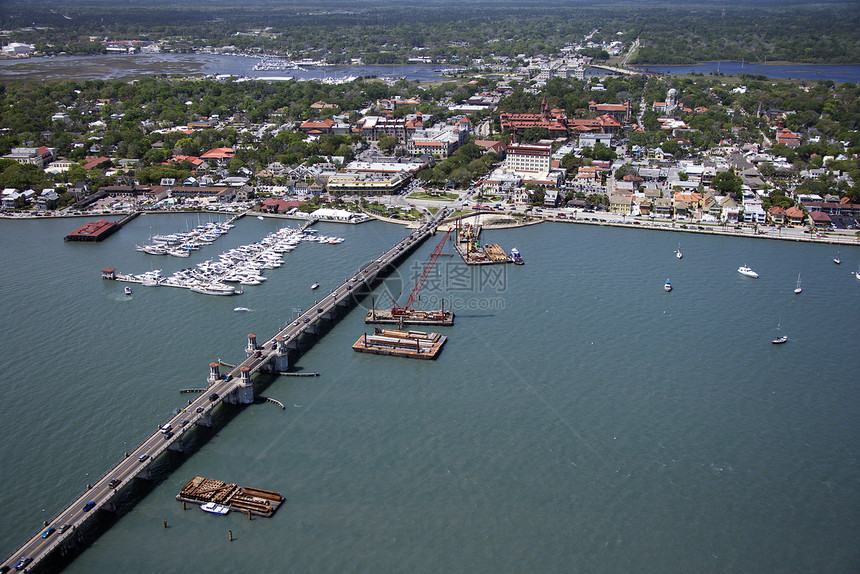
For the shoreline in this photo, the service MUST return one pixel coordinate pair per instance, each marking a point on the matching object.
(635, 224)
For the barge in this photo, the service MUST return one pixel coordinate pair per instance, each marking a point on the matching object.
(208, 491)
(410, 344)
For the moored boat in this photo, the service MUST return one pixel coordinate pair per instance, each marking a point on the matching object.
(516, 257)
(745, 270)
(213, 508)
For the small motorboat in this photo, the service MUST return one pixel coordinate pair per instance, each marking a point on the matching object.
(667, 286)
(798, 289)
(240, 309)
(127, 290)
(315, 285)
(213, 508)
(678, 253)
(745, 270)
(260, 217)
(836, 259)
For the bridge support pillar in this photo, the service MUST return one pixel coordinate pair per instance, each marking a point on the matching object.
(252, 344)
(214, 373)
(281, 361)
(245, 389)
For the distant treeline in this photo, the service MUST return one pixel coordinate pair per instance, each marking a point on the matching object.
(392, 32)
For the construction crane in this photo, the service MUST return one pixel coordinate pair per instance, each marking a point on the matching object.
(404, 310)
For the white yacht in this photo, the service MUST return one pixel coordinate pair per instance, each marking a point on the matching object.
(745, 270)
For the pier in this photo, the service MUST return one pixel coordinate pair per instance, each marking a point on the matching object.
(273, 355)
(99, 230)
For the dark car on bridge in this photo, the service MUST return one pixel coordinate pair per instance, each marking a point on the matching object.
(23, 562)
(48, 532)
(89, 505)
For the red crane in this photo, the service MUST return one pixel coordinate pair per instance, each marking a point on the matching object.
(396, 310)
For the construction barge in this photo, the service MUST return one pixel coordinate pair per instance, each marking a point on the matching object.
(200, 490)
(410, 344)
(468, 245)
(400, 316)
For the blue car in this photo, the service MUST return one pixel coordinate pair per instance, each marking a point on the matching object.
(48, 532)
(89, 505)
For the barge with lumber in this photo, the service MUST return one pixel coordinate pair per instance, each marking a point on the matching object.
(200, 490)
(410, 344)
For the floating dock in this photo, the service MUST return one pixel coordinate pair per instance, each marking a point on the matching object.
(200, 490)
(410, 344)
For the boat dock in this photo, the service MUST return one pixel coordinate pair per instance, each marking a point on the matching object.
(410, 344)
(260, 502)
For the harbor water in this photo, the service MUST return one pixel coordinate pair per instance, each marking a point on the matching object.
(579, 418)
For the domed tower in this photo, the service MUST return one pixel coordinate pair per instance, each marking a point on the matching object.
(671, 99)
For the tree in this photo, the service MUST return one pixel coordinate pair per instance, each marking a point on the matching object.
(387, 143)
(727, 182)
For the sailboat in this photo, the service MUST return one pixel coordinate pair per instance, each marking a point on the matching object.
(798, 289)
(678, 253)
(780, 339)
(836, 259)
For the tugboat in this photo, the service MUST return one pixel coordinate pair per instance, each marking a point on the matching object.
(667, 286)
(516, 257)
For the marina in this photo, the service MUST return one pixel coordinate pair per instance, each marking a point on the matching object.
(218, 497)
(409, 344)
(243, 265)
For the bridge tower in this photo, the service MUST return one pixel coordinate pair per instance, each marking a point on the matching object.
(245, 389)
(214, 373)
(281, 361)
(252, 344)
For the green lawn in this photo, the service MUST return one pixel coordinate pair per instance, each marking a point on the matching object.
(440, 196)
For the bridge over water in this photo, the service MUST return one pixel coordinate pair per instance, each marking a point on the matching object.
(236, 387)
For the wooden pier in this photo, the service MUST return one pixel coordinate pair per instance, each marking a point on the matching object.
(410, 344)
(260, 502)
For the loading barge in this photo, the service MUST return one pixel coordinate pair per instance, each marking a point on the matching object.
(200, 490)
(410, 344)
